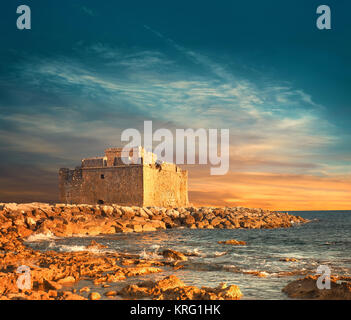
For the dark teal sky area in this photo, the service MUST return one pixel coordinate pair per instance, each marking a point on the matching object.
(89, 69)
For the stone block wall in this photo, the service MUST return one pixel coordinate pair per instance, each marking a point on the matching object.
(165, 186)
(122, 185)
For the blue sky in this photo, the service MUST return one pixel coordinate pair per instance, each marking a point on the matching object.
(89, 69)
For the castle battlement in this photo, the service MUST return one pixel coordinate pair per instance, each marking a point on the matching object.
(117, 157)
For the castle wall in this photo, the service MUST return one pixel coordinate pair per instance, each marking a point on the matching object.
(93, 162)
(70, 185)
(122, 185)
(165, 186)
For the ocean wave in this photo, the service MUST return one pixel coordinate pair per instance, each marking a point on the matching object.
(76, 248)
(193, 253)
(149, 255)
(220, 253)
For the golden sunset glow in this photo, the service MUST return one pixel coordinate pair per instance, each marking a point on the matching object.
(272, 191)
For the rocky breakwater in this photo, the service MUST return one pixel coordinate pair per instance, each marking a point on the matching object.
(67, 220)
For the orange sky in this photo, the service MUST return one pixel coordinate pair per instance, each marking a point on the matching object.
(271, 191)
(276, 191)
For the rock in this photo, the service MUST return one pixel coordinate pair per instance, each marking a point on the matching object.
(306, 288)
(143, 214)
(6, 225)
(24, 232)
(189, 220)
(158, 224)
(108, 210)
(175, 255)
(288, 259)
(148, 212)
(52, 285)
(127, 212)
(31, 222)
(157, 217)
(52, 293)
(94, 296)
(84, 289)
(18, 222)
(148, 227)
(198, 216)
(168, 220)
(71, 296)
(229, 293)
(216, 221)
(256, 273)
(66, 280)
(139, 220)
(233, 242)
(137, 228)
(111, 293)
(94, 245)
(169, 282)
(172, 288)
(123, 229)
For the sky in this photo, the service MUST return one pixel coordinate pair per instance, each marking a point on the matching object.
(87, 70)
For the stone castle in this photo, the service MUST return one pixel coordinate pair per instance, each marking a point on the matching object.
(108, 180)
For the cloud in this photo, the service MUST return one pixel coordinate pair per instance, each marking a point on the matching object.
(262, 119)
(88, 11)
(79, 105)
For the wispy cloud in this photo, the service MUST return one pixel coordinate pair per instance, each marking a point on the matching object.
(270, 121)
(88, 11)
(275, 128)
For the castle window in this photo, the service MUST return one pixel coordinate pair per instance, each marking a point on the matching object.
(102, 176)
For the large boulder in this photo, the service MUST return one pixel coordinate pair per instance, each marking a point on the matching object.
(306, 288)
(174, 255)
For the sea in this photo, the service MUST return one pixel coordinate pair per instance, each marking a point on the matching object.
(325, 241)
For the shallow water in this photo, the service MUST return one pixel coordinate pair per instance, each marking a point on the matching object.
(325, 241)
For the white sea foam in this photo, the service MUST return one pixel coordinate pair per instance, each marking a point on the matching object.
(194, 252)
(41, 237)
(149, 255)
(155, 247)
(220, 253)
(78, 248)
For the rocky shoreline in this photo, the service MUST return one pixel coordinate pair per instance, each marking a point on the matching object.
(66, 220)
(53, 274)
